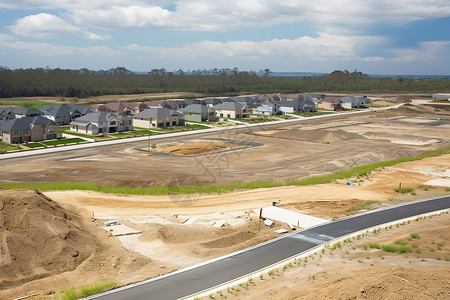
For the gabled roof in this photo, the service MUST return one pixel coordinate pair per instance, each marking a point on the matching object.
(6, 111)
(24, 123)
(212, 101)
(196, 109)
(193, 101)
(26, 111)
(98, 117)
(56, 110)
(117, 106)
(229, 106)
(157, 113)
(82, 109)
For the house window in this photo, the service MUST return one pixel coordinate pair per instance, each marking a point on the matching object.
(228, 116)
(113, 122)
(221, 115)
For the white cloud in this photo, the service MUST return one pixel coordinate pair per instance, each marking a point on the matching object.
(225, 15)
(323, 48)
(123, 17)
(427, 52)
(95, 37)
(49, 49)
(42, 26)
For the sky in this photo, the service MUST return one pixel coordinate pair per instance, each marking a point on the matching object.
(372, 36)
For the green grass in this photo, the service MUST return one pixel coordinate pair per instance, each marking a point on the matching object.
(389, 248)
(181, 128)
(374, 246)
(63, 142)
(33, 145)
(86, 290)
(405, 190)
(7, 147)
(312, 114)
(28, 103)
(414, 236)
(222, 188)
(401, 242)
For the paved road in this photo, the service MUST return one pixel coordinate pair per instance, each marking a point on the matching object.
(193, 280)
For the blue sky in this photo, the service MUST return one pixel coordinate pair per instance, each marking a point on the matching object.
(373, 36)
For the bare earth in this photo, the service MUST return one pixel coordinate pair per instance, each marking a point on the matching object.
(177, 230)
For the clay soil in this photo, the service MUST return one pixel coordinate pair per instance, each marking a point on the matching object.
(293, 151)
(355, 271)
(167, 244)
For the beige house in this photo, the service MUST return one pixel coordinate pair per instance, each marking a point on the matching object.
(101, 122)
(231, 110)
(158, 118)
(28, 129)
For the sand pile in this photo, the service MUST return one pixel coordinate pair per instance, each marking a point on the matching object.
(197, 148)
(319, 135)
(38, 238)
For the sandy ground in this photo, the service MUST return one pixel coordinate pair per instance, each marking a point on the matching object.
(352, 272)
(168, 243)
(297, 150)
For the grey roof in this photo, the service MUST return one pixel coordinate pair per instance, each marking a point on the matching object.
(293, 103)
(196, 109)
(24, 123)
(97, 117)
(229, 106)
(5, 111)
(57, 110)
(353, 99)
(26, 111)
(212, 101)
(193, 101)
(156, 113)
(83, 109)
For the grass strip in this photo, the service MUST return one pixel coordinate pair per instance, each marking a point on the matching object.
(229, 187)
(85, 290)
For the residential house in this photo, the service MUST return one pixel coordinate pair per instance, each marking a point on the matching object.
(118, 108)
(101, 122)
(232, 110)
(290, 107)
(212, 101)
(61, 114)
(441, 97)
(198, 113)
(350, 102)
(247, 100)
(6, 113)
(268, 108)
(306, 103)
(194, 101)
(137, 107)
(158, 118)
(330, 103)
(28, 129)
(26, 112)
(79, 110)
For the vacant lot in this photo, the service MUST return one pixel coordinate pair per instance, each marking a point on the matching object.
(291, 151)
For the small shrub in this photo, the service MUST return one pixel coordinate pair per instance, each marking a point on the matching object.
(414, 236)
(374, 246)
(389, 248)
(404, 190)
(404, 249)
(400, 242)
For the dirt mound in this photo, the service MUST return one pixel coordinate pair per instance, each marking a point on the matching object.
(38, 238)
(319, 135)
(390, 283)
(196, 148)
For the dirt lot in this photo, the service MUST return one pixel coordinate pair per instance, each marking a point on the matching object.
(351, 272)
(296, 151)
(177, 230)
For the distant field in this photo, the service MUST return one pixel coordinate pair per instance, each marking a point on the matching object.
(20, 102)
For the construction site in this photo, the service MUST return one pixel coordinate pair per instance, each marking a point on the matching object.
(57, 239)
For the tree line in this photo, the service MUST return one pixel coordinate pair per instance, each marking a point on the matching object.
(85, 83)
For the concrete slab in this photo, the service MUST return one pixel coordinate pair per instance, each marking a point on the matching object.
(438, 182)
(290, 217)
(120, 230)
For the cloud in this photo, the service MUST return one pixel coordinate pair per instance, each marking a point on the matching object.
(95, 37)
(227, 15)
(49, 49)
(427, 52)
(42, 26)
(323, 48)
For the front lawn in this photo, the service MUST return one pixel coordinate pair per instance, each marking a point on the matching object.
(7, 147)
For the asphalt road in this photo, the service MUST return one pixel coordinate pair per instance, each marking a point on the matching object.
(188, 282)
